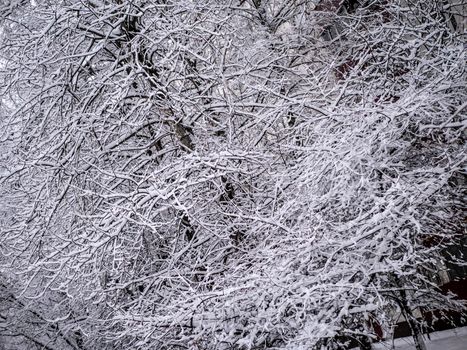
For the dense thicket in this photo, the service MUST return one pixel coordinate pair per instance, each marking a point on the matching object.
(242, 174)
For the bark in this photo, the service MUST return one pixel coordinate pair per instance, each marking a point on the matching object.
(411, 320)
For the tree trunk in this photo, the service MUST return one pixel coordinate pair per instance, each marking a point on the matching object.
(413, 324)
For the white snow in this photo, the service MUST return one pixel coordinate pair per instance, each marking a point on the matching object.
(452, 339)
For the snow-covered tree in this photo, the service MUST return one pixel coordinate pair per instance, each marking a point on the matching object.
(230, 174)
